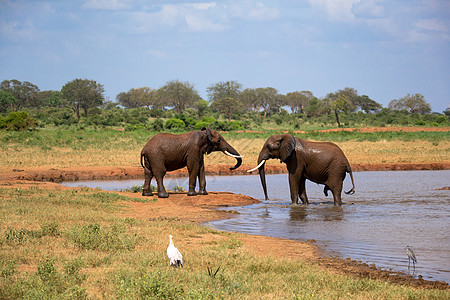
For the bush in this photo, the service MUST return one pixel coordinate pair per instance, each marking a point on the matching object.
(174, 124)
(157, 125)
(17, 121)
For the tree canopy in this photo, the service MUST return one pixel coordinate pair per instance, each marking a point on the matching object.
(24, 92)
(178, 94)
(412, 103)
(82, 94)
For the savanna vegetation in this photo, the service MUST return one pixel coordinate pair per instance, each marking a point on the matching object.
(177, 106)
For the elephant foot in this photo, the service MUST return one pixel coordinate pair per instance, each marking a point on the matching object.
(192, 193)
(202, 192)
(163, 195)
(147, 193)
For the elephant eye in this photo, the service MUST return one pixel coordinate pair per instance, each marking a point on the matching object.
(218, 141)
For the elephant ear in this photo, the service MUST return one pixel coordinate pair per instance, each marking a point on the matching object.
(210, 145)
(209, 135)
(287, 146)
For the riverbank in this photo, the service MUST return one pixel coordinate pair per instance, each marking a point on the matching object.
(58, 174)
(200, 209)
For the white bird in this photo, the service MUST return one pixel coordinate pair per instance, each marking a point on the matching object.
(174, 255)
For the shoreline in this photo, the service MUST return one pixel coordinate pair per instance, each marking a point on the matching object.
(60, 174)
(202, 209)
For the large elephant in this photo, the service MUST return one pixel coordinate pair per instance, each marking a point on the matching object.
(167, 152)
(320, 162)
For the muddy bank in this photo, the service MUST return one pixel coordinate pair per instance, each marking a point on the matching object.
(109, 172)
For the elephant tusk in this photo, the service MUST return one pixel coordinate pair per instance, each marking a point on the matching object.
(232, 155)
(257, 167)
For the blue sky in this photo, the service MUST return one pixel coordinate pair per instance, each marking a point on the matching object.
(384, 49)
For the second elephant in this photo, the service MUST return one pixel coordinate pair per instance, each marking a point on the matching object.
(319, 162)
(167, 152)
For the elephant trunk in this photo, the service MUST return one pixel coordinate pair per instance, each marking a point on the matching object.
(262, 173)
(230, 151)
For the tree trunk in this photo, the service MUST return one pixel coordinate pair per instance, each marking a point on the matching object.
(337, 118)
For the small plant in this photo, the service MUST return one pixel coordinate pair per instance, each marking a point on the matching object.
(17, 235)
(50, 229)
(212, 273)
(178, 188)
(46, 270)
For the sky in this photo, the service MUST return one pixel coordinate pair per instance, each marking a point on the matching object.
(383, 49)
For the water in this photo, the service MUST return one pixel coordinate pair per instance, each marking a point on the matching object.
(388, 211)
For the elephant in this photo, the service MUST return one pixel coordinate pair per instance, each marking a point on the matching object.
(319, 162)
(167, 152)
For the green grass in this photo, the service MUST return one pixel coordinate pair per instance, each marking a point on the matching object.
(77, 245)
(82, 140)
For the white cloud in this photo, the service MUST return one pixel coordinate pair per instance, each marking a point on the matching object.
(368, 9)
(253, 10)
(337, 10)
(107, 4)
(202, 6)
(198, 24)
(432, 25)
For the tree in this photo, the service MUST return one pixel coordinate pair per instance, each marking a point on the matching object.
(178, 94)
(202, 107)
(342, 103)
(366, 104)
(138, 97)
(220, 90)
(412, 103)
(25, 93)
(249, 99)
(268, 99)
(82, 94)
(416, 104)
(227, 106)
(7, 101)
(316, 108)
(50, 98)
(297, 101)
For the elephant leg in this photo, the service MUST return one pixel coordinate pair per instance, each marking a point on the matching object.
(202, 181)
(161, 189)
(302, 191)
(193, 174)
(146, 190)
(294, 187)
(336, 190)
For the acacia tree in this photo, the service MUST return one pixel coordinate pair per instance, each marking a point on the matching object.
(227, 106)
(341, 103)
(230, 89)
(412, 103)
(249, 98)
(366, 104)
(24, 92)
(178, 94)
(268, 99)
(138, 97)
(297, 101)
(82, 94)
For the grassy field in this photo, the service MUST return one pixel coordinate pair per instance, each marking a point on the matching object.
(102, 147)
(76, 244)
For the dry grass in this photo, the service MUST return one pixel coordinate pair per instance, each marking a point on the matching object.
(127, 155)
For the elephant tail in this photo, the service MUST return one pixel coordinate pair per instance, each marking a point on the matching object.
(349, 171)
(144, 163)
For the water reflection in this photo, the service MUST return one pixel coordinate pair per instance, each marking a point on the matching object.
(297, 213)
